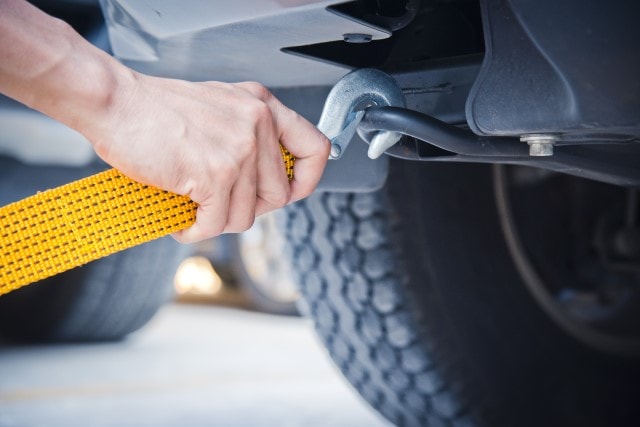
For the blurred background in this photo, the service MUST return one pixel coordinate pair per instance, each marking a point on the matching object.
(215, 355)
(246, 270)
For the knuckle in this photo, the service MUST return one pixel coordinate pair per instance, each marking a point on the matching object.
(212, 227)
(292, 115)
(281, 198)
(215, 230)
(210, 230)
(238, 225)
(258, 90)
(286, 197)
(187, 186)
(226, 169)
(259, 111)
(210, 221)
(181, 238)
(102, 148)
(325, 147)
(247, 147)
(246, 223)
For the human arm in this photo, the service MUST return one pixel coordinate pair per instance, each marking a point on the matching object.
(217, 143)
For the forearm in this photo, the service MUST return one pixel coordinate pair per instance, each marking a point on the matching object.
(45, 64)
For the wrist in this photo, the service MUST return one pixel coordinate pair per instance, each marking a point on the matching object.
(97, 103)
(51, 68)
(85, 88)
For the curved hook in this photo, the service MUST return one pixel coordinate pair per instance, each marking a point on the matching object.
(354, 92)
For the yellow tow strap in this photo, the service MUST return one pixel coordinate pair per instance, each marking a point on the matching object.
(66, 227)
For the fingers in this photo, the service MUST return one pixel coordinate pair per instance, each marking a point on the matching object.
(273, 187)
(273, 190)
(300, 137)
(230, 210)
(242, 201)
(256, 126)
(307, 144)
(211, 218)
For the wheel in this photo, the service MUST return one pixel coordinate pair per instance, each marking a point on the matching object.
(416, 297)
(253, 263)
(101, 301)
(586, 276)
(262, 271)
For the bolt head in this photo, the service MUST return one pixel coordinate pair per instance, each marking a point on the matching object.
(540, 149)
(357, 38)
(540, 145)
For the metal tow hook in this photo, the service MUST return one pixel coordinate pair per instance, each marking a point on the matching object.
(345, 107)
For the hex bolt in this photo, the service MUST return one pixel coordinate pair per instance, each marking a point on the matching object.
(540, 145)
(357, 38)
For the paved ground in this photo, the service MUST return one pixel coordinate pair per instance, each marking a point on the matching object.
(192, 366)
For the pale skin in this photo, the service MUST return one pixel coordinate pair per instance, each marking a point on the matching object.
(216, 142)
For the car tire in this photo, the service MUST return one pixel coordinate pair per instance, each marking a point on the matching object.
(102, 301)
(414, 294)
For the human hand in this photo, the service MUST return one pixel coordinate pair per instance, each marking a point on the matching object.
(217, 143)
(214, 142)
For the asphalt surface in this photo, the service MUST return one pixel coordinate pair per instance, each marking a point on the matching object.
(191, 366)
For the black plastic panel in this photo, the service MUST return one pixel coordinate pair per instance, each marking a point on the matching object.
(436, 30)
(569, 67)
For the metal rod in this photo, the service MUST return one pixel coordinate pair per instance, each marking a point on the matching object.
(465, 146)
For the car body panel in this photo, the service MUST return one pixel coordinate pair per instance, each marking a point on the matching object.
(228, 40)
